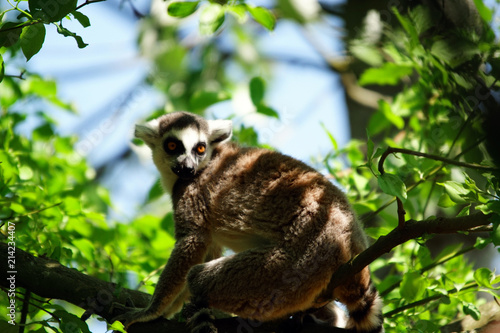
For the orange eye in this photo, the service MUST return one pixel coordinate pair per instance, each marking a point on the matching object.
(200, 149)
(171, 145)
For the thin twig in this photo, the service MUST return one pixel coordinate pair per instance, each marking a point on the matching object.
(427, 300)
(391, 150)
(20, 76)
(429, 267)
(88, 2)
(35, 211)
(430, 174)
(401, 210)
(25, 24)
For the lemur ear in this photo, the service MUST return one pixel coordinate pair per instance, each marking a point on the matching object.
(220, 130)
(148, 132)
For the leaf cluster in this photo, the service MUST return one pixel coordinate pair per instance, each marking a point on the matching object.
(27, 30)
(444, 166)
(52, 205)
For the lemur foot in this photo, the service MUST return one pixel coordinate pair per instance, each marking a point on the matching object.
(199, 318)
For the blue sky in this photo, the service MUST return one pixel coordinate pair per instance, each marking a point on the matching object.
(98, 78)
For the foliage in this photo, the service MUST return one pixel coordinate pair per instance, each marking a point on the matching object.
(445, 81)
(28, 30)
(438, 111)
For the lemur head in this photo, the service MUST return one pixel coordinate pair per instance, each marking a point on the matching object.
(182, 143)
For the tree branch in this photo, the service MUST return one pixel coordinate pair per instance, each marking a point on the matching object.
(48, 278)
(391, 150)
(410, 230)
(88, 2)
(20, 26)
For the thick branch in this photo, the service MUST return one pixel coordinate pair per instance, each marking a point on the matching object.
(410, 230)
(48, 278)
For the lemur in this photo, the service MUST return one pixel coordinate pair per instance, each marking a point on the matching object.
(290, 228)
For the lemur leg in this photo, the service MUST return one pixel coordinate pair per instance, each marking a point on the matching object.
(177, 304)
(262, 284)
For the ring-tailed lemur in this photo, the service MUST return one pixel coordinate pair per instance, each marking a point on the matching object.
(290, 229)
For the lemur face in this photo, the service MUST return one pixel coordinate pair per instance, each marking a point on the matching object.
(186, 150)
(183, 143)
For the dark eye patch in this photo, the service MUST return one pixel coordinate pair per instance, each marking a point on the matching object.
(173, 146)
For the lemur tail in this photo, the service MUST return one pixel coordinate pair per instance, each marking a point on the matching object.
(365, 315)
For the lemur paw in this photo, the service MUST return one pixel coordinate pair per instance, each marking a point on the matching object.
(202, 322)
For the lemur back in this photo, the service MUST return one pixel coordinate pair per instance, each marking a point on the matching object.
(290, 229)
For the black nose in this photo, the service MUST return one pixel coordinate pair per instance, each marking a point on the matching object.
(184, 172)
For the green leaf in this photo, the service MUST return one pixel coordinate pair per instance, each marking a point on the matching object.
(10, 35)
(203, 99)
(71, 323)
(445, 201)
(495, 234)
(366, 53)
(389, 74)
(66, 33)
(85, 247)
(155, 192)
(331, 137)
(383, 119)
(239, 11)
(83, 19)
(211, 18)
(25, 172)
(492, 206)
(413, 286)
(182, 9)
(137, 142)
(485, 12)
(263, 15)
(51, 11)
(483, 277)
(386, 110)
(454, 52)
(370, 147)
(267, 111)
(470, 309)
(392, 185)
(456, 191)
(422, 19)
(426, 326)
(257, 90)
(464, 211)
(32, 39)
(72, 206)
(409, 28)
(38, 86)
